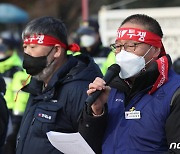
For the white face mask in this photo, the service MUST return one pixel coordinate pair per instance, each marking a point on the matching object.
(130, 63)
(87, 40)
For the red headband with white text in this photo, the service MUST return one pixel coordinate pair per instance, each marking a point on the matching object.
(141, 35)
(151, 39)
(47, 40)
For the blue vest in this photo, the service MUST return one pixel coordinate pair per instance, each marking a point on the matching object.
(147, 134)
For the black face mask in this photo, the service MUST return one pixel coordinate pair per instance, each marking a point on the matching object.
(34, 65)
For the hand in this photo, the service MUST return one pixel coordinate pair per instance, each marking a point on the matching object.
(99, 84)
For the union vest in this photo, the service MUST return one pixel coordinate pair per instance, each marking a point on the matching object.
(147, 134)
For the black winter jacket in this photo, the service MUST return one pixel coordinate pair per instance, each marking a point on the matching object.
(57, 107)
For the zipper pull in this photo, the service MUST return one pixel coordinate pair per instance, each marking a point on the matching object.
(17, 142)
(33, 121)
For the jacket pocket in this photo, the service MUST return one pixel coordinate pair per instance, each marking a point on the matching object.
(45, 118)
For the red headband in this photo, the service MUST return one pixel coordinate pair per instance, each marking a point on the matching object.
(163, 73)
(141, 35)
(49, 41)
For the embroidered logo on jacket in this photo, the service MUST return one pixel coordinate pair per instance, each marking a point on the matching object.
(119, 100)
(42, 115)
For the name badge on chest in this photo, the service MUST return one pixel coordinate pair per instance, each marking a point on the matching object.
(132, 114)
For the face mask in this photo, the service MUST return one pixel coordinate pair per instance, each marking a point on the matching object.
(130, 63)
(87, 41)
(34, 65)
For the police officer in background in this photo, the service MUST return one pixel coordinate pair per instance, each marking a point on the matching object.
(14, 76)
(90, 41)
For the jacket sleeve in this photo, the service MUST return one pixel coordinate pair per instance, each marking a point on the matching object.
(93, 128)
(172, 127)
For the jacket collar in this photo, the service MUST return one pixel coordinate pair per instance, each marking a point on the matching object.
(35, 87)
(144, 81)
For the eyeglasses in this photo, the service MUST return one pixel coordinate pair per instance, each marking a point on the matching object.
(131, 47)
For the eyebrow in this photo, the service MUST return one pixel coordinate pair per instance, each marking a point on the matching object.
(130, 41)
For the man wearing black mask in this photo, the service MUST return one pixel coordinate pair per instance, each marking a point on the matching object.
(57, 88)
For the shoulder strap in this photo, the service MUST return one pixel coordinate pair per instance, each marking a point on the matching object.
(177, 93)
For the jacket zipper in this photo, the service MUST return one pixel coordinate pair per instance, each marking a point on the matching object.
(32, 122)
(18, 138)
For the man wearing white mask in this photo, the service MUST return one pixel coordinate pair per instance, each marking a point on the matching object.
(88, 37)
(143, 100)
(90, 42)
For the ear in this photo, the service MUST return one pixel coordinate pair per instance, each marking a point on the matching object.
(156, 52)
(58, 51)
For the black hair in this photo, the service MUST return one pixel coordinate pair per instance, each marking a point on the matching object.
(176, 65)
(47, 26)
(148, 22)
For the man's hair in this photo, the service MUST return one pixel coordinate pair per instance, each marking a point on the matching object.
(149, 23)
(47, 26)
